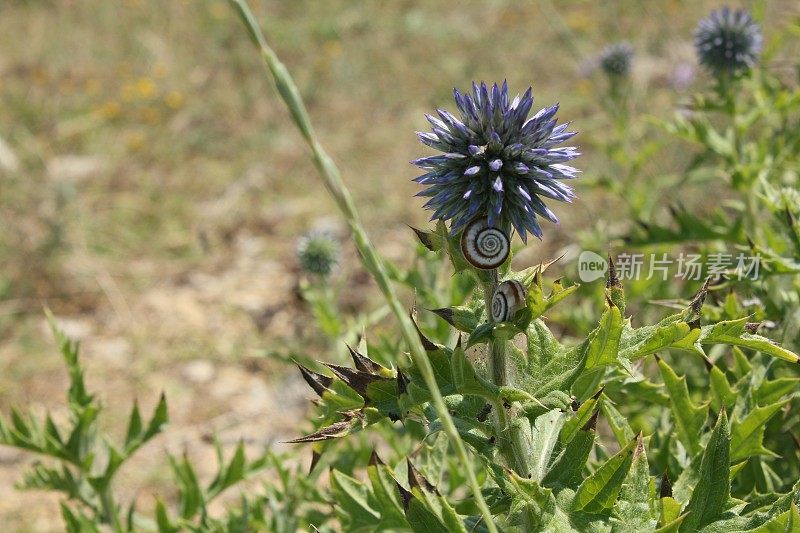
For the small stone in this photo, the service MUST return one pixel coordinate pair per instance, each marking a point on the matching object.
(199, 371)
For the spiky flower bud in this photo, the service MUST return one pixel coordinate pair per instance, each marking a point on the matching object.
(728, 41)
(318, 253)
(615, 59)
(496, 163)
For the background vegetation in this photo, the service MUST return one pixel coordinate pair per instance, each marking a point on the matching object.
(152, 188)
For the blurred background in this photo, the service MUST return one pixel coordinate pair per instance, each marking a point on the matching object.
(152, 187)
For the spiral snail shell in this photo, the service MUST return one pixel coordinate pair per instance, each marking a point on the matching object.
(484, 247)
(508, 298)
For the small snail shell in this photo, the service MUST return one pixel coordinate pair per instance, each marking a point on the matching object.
(484, 247)
(508, 298)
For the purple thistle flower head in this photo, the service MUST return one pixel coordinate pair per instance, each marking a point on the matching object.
(728, 42)
(496, 162)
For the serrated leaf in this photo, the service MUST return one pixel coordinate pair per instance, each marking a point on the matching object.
(354, 421)
(671, 527)
(772, 391)
(633, 510)
(723, 394)
(425, 509)
(712, 492)
(599, 491)
(352, 503)
(567, 468)
(734, 333)
(422, 519)
(747, 435)
(464, 319)
(580, 418)
(670, 512)
(536, 504)
(787, 522)
(544, 436)
(382, 481)
(547, 366)
(689, 418)
(480, 335)
(465, 379)
(537, 302)
(604, 346)
(647, 340)
(618, 423)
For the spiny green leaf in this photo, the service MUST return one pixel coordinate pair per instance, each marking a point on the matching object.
(633, 510)
(619, 424)
(772, 391)
(787, 522)
(548, 366)
(544, 437)
(538, 303)
(712, 492)
(532, 501)
(78, 396)
(466, 379)
(354, 421)
(689, 418)
(580, 418)
(567, 468)
(723, 394)
(747, 435)
(464, 319)
(670, 512)
(425, 509)
(599, 491)
(352, 503)
(481, 334)
(382, 481)
(604, 346)
(734, 333)
(640, 342)
(671, 527)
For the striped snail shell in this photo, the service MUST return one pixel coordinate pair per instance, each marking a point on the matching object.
(508, 298)
(484, 247)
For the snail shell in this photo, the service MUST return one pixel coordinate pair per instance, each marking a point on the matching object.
(508, 298)
(484, 247)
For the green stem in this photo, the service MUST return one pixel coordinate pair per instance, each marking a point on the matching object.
(747, 183)
(372, 261)
(509, 435)
(109, 511)
(497, 348)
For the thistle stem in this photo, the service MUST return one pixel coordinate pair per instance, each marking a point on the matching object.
(372, 261)
(497, 348)
(508, 435)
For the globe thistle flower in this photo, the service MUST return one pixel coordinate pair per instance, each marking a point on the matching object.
(615, 59)
(318, 253)
(496, 162)
(728, 42)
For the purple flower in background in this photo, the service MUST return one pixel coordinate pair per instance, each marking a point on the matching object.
(496, 162)
(728, 42)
